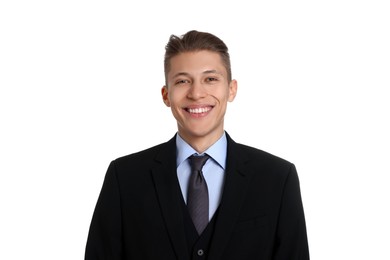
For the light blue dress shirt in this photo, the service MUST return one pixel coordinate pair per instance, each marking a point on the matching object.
(213, 170)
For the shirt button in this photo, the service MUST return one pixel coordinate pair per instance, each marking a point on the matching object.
(200, 252)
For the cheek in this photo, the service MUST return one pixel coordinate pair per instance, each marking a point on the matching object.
(176, 97)
(225, 96)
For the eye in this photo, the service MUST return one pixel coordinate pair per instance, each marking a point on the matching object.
(182, 82)
(211, 79)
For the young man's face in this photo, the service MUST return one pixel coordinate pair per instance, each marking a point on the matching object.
(197, 92)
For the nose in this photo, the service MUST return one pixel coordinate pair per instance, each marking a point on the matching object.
(196, 91)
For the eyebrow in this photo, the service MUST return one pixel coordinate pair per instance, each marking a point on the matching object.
(180, 74)
(204, 72)
(212, 72)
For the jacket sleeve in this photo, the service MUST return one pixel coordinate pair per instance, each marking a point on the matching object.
(291, 237)
(105, 239)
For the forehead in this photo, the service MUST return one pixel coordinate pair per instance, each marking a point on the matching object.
(196, 62)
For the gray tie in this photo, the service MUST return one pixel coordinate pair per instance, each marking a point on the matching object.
(198, 195)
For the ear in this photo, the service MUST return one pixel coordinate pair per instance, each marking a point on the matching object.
(164, 94)
(232, 90)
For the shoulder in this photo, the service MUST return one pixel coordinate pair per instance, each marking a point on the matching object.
(146, 158)
(253, 152)
(143, 154)
(263, 166)
(257, 160)
(249, 152)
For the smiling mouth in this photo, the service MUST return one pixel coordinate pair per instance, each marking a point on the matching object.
(198, 110)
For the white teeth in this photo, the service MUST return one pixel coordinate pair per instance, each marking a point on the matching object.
(199, 110)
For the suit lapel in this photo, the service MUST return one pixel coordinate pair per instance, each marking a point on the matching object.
(236, 182)
(169, 195)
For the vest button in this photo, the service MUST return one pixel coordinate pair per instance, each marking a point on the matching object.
(200, 252)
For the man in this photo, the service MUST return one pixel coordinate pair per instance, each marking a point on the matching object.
(243, 204)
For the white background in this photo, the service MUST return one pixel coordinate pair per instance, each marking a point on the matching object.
(80, 85)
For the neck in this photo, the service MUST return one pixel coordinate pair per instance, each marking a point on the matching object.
(200, 143)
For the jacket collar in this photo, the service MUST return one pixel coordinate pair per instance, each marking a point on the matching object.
(169, 195)
(237, 179)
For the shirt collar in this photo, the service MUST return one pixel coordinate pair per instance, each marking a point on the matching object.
(217, 151)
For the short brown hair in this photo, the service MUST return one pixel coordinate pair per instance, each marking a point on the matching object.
(196, 41)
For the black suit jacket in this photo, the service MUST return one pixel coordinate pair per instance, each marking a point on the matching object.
(139, 216)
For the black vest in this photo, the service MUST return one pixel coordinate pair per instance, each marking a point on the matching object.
(198, 246)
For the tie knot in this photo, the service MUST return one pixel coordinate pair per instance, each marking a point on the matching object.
(197, 162)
